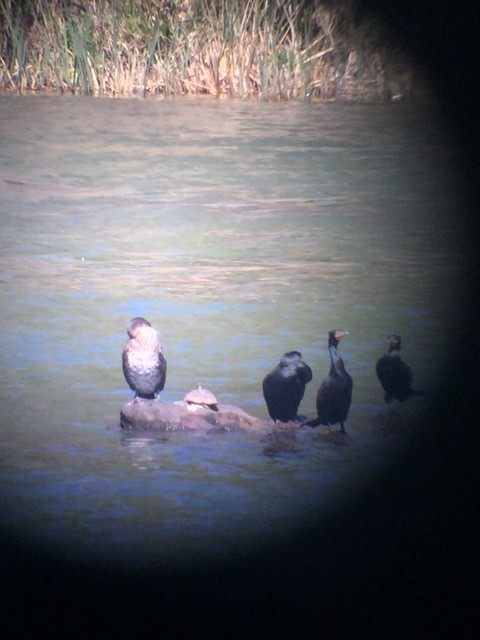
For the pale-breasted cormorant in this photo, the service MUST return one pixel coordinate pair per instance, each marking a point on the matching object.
(335, 393)
(394, 374)
(283, 388)
(144, 365)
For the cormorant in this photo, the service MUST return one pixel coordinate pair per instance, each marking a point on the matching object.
(144, 365)
(283, 388)
(394, 374)
(335, 393)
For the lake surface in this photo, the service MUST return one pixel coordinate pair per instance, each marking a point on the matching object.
(241, 231)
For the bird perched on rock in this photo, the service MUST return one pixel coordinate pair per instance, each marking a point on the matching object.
(283, 388)
(335, 393)
(144, 365)
(394, 374)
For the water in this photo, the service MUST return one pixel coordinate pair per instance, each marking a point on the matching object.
(241, 231)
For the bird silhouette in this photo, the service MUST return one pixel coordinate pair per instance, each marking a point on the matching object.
(284, 386)
(334, 395)
(394, 374)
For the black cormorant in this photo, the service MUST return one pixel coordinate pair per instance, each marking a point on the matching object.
(144, 365)
(283, 388)
(335, 393)
(394, 374)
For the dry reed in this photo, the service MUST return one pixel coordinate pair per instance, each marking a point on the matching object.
(270, 49)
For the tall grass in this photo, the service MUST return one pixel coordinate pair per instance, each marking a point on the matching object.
(270, 49)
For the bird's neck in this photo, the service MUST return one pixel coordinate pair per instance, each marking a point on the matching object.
(336, 360)
(394, 351)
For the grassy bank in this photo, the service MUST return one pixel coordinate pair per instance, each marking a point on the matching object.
(270, 49)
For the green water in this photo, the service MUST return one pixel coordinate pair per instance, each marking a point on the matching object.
(241, 231)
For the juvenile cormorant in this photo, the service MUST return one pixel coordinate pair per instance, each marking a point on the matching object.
(144, 365)
(394, 374)
(335, 393)
(283, 388)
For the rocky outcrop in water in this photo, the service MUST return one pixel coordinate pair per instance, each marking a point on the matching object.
(156, 415)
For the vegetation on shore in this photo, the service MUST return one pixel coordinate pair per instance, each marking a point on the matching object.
(270, 49)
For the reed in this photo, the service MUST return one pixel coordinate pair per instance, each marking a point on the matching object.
(15, 35)
(269, 49)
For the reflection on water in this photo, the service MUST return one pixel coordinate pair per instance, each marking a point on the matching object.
(241, 231)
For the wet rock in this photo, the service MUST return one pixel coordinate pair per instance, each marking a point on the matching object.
(282, 438)
(156, 415)
(152, 415)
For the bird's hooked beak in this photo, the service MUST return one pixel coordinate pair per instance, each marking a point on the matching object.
(340, 334)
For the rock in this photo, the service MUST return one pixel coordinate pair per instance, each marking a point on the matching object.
(151, 415)
(156, 415)
(282, 438)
